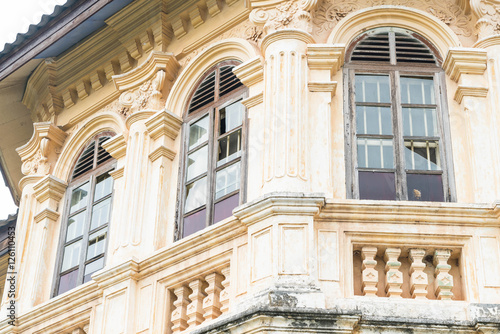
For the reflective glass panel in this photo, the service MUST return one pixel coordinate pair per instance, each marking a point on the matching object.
(224, 208)
(230, 117)
(68, 281)
(422, 155)
(194, 222)
(91, 268)
(373, 120)
(79, 197)
(375, 153)
(376, 185)
(103, 187)
(420, 122)
(229, 147)
(196, 194)
(100, 213)
(417, 90)
(227, 180)
(197, 162)
(97, 242)
(425, 187)
(75, 225)
(198, 132)
(71, 256)
(372, 88)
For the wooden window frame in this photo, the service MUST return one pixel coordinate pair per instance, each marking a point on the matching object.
(90, 177)
(212, 111)
(395, 71)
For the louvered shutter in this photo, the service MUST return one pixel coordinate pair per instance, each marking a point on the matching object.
(205, 93)
(86, 161)
(373, 48)
(411, 50)
(228, 81)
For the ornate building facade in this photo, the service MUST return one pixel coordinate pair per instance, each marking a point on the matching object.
(254, 166)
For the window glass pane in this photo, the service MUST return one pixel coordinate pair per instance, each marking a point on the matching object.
(103, 187)
(372, 88)
(79, 197)
(230, 117)
(197, 162)
(196, 194)
(373, 120)
(420, 122)
(71, 255)
(224, 208)
(100, 214)
(91, 268)
(422, 187)
(97, 242)
(194, 223)
(375, 153)
(417, 90)
(376, 185)
(75, 226)
(68, 281)
(227, 180)
(229, 148)
(422, 155)
(198, 132)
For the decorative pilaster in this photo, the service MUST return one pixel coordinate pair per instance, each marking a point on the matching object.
(393, 277)
(370, 274)
(443, 280)
(179, 318)
(195, 308)
(418, 279)
(211, 303)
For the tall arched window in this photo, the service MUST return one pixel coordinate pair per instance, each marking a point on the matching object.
(214, 145)
(397, 140)
(84, 232)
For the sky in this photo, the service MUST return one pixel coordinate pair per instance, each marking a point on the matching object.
(15, 17)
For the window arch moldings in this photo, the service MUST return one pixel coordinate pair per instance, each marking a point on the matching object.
(431, 28)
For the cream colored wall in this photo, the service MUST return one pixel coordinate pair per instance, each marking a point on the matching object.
(292, 66)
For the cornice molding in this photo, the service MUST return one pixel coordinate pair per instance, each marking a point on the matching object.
(250, 72)
(487, 42)
(463, 91)
(325, 57)
(162, 151)
(465, 61)
(46, 213)
(156, 61)
(138, 116)
(111, 276)
(164, 123)
(285, 34)
(254, 100)
(50, 187)
(327, 86)
(295, 204)
(116, 146)
(117, 173)
(29, 179)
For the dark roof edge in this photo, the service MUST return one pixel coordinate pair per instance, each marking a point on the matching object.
(48, 31)
(8, 182)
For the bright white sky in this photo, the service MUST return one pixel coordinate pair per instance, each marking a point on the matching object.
(15, 17)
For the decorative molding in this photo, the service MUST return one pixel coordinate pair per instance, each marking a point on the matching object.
(29, 179)
(327, 86)
(39, 154)
(116, 146)
(250, 72)
(122, 272)
(137, 116)
(164, 123)
(254, 100)
(284, 35)
(162, 151)
(46, 213)
(489, 41)
(463, 91)
(49, 187)
(465, 61)
(117, 173)
(326, 57)
(296, 204)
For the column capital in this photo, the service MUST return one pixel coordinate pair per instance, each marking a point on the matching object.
(461, 61)
(488, 14)
(49, 188)
(325, 57)
(286, 34)
(163, 123)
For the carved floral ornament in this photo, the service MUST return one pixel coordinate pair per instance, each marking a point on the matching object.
(488, 12)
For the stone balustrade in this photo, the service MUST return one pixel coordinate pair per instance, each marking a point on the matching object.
(398, 272)
(201, 299)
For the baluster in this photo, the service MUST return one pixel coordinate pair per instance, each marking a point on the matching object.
(224, 295)
(179, 318)
(443, 280)
(393, 277)
(195, 308)
(211, 303)
(418, 279)
(78, 331)
(370, 274)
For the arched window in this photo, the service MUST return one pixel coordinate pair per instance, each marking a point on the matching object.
(396, 120)
(84, 232)
(214, 145)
